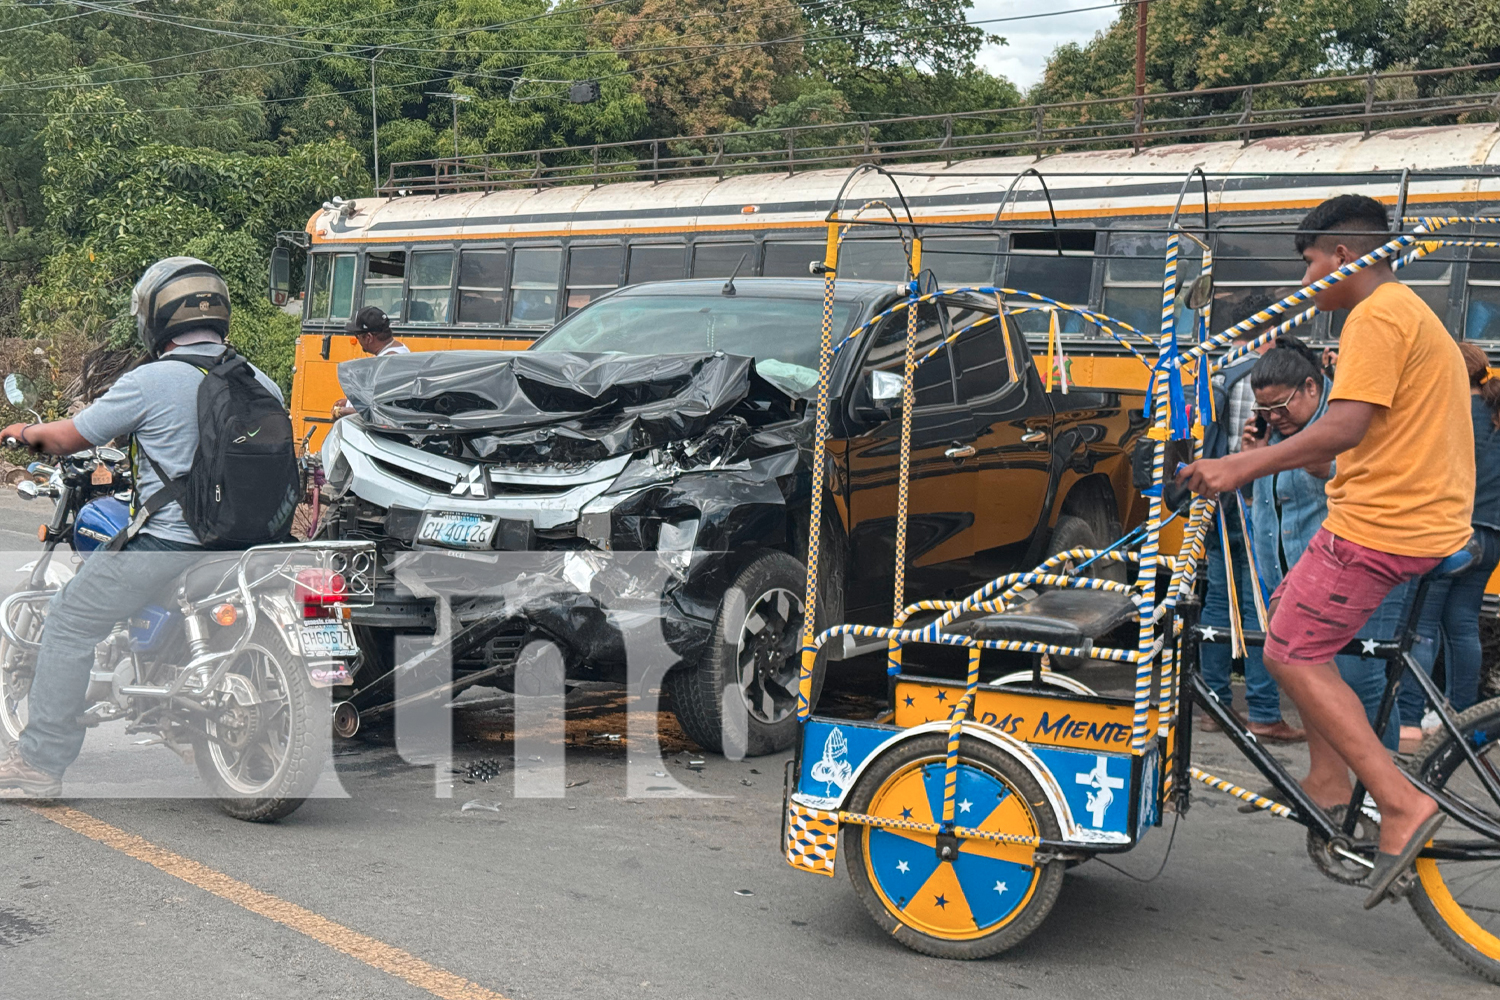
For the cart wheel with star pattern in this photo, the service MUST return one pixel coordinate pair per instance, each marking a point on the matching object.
(987, 896)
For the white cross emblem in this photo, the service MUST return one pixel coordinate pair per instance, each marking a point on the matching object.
(1103, 785)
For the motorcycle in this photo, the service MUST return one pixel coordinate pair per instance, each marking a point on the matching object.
(229, 671)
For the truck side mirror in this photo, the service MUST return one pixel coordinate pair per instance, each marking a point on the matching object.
(884, 389)
(280, 273)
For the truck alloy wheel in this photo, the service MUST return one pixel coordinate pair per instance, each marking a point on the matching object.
(741, 698)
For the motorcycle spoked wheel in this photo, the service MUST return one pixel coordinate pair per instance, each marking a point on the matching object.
(17, 667)
(988, 898)
(264, 759)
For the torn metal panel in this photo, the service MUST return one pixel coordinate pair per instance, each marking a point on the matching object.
(560, 406)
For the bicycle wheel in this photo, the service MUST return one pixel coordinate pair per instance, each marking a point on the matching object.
(1459, 901)
(986, 899)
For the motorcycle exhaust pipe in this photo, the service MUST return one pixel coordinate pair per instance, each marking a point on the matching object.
(345, 720)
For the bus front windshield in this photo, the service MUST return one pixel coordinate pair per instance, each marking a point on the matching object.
(781, 334)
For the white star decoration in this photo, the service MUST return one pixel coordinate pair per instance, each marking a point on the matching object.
(1000, 887)
(965, 805)
(1209, 634)
(1368, 645)
(903, 867)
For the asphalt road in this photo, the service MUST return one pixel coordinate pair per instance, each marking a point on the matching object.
(394, 890)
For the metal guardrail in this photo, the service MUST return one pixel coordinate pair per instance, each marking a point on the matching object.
(1331, 103)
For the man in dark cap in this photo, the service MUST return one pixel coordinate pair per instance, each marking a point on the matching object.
(372, 328)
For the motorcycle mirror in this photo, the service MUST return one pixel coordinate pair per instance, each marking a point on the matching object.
(27, 490)
(1197, 295)
(20, 390)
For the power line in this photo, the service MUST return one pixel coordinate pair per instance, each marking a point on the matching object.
(449, 74)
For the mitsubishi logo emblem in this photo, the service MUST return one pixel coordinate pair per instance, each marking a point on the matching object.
(475, 484)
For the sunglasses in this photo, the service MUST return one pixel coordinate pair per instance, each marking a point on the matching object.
(1270, 411)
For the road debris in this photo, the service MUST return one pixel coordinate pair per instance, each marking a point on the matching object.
(479, 805)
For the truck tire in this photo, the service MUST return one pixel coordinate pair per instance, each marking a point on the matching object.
(741, 700)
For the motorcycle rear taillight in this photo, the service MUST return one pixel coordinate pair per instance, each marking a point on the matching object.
(318, 591)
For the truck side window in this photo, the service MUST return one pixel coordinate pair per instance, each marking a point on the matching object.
(979, 352)
(934, 378)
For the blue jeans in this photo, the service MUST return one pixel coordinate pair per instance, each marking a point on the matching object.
(1262, 696)
(1452, 611)
(109, 587)
(1366, 675)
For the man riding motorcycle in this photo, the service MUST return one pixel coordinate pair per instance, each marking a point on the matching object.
(181, 308)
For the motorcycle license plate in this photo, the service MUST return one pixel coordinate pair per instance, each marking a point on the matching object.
(455, 530)
(328, 639)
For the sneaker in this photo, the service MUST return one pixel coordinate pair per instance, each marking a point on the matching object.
(19, 779)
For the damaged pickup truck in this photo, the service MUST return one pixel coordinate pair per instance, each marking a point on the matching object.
(675, 418)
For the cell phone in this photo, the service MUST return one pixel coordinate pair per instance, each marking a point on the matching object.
(1260, 425)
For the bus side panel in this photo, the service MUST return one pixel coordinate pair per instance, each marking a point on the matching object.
(315, 385)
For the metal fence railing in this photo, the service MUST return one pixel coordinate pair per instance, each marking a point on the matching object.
(1321, 104)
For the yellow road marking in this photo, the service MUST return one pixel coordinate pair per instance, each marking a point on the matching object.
(376, 954)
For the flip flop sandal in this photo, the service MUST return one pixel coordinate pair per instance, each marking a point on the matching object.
(1390, 867)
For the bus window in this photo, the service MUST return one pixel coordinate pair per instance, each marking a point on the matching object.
(385, 278)
(592, 271)
(656, 263)
(1133, 277)
(790, 260)
(317, 302)
(1251, 272)
(533, 286)
(1034, 265)
(481, 286)
(431, 286)
(341, 298)
(961, 261)
(866, 260)
(718, 260)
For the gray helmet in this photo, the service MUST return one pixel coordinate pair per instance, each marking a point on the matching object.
(176, 295)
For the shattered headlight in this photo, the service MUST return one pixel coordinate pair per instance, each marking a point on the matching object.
(336, 470)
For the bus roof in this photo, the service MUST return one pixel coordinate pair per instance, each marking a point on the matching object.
(1449, 164)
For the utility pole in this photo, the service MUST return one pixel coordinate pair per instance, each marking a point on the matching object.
(1140, 70)
(375, 119)
(457, 99)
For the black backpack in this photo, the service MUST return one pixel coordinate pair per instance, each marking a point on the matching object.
(243, 485)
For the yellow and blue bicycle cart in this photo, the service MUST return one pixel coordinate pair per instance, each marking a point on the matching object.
(956, 812)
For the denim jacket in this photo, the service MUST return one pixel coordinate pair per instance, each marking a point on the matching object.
(1286, 511)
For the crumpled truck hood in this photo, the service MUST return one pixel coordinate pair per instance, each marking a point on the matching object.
(559, 405)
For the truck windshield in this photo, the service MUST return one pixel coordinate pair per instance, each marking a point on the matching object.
(781, 334)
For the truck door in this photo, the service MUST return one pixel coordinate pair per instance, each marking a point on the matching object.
(941, 502)
(1012, 470)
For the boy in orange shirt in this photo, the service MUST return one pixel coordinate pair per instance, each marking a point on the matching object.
(1398, 424)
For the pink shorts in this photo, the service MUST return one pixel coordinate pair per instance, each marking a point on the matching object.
(1329, 595)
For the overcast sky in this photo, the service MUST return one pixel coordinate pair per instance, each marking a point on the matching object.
(1028, 43)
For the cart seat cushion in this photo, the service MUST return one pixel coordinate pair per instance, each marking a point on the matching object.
(1062, 617)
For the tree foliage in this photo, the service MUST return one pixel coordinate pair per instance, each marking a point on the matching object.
(1197, 44)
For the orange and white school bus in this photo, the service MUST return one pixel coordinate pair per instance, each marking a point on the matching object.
(497, 268)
